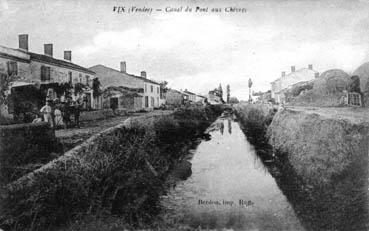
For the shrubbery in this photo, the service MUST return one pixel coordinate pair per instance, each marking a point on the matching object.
(122, 172)
(254, 120)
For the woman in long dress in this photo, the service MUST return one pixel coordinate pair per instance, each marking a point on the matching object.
(58, 118)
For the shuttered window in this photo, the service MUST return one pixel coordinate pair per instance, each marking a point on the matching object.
(45, 73)
(12, 68)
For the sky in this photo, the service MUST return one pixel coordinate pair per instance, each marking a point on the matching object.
(197, 50)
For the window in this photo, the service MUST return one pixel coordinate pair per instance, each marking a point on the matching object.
(70, 75)
(152, 101)
(157, 98)
(12, 68)
(80, 78)
(146, 101)
(152, 88)
(145, 88)
(157, 90)
(87, 80)
(45, 73)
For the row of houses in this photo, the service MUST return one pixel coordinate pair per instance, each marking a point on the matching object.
(286, 81)
(98, 86)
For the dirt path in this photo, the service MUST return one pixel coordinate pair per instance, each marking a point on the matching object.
(352, 114)
(73, 136)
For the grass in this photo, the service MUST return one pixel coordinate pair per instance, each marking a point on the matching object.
(122, 173)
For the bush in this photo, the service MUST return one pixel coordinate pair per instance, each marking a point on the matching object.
(24, 144)
(255, 119)
(120, 171)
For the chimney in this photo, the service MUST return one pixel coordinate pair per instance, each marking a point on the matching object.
(123, 67)
(310, 66)
(283, 74)
(23, 41)
(143, 74)
(68, 55)
(48, 49)
(316, 74)
(293, 68)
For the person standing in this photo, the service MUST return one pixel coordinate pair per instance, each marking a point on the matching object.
(58, 116)
(65, 110)
(77, 111)
(46, 110)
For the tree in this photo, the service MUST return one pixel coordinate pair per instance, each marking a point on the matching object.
(5, 80)
(250, 85)
(78, 88)
(228, 92)
(220, 90)
(96, 87)
(233, 100)
(163, 89)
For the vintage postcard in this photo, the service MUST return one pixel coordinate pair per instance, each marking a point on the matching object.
(184, 115)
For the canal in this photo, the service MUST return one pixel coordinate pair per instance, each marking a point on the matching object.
(229, 187)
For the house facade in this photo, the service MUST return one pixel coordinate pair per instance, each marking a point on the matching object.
(200, 98)
(174, 97)
(46, 71)
(189, 95)
(279, 86)
(148, 89)
(122, 98)
(213, 98)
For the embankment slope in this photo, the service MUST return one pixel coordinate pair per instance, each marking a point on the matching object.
(318, 147)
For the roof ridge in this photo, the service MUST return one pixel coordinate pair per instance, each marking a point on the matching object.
(126, 73)
(61, 62)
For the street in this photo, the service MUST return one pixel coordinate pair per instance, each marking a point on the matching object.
(71, 137)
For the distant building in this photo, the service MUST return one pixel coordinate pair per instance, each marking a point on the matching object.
(280, 85)
(213, 97)
(200, 98)
(122, 98)
(174, 97)
(189, 95)
(110, 77)
(262, 97)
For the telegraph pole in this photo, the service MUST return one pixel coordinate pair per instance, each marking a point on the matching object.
(250, 85)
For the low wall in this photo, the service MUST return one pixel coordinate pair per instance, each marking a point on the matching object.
(120, 170)
(23, 144)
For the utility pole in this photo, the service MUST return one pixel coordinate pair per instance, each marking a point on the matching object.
(250, 85)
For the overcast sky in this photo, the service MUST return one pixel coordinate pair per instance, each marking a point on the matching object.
(197, 51)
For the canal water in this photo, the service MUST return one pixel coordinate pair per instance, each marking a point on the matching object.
(230, 188)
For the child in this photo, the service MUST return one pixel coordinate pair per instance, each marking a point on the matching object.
(46, 110)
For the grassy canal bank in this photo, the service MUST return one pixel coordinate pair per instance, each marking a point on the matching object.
(120, 172)
(319, 162)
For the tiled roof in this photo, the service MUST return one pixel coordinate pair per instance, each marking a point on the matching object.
(188, 92)
(174, 90)
(135, 76)
(58, 62)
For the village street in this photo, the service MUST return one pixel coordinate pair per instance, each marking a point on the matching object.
(73, 136)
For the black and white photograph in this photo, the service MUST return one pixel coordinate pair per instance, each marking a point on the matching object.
(188, 115)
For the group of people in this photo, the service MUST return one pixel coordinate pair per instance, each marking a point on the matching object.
(58, 113)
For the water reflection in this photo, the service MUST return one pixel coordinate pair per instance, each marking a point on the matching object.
(226, 170)
(229, 126)
(230, 187)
